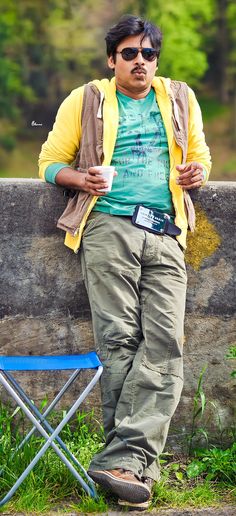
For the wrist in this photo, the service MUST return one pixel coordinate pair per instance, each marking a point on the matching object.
(71, 178)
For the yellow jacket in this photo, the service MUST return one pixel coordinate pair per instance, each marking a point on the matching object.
(63, 141)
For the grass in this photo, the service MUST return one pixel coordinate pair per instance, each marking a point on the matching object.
(50, 486)
(212, 109)
(177, 488)
(50, 482)
(229, 166)
(22, 161)
(87, 504)
(203, 494)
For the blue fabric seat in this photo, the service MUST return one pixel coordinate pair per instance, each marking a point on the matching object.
(75, 364)
(49, 363)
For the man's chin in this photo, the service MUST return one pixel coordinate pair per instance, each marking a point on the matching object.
(140, 79)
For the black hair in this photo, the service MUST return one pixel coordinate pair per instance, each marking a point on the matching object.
(130, 25)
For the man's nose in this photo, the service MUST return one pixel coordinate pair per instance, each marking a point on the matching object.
(139, 58)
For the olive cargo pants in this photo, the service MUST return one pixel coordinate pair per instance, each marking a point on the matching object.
(136, 283)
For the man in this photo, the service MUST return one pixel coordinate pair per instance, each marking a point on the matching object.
(150, 129)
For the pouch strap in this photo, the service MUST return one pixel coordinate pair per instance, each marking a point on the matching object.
(172, 229)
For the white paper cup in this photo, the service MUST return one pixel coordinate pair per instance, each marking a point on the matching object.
(108, 174)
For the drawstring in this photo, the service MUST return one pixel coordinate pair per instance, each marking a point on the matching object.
(176, 113)
(99, 113)
(190, 211)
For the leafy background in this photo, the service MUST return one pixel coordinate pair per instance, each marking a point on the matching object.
(49, 47)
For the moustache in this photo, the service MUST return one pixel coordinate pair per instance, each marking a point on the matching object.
(138, 69)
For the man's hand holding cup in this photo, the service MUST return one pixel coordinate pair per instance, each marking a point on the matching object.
(98, 180)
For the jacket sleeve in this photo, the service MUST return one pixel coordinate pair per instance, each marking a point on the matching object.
(63, 141)
(197, 147)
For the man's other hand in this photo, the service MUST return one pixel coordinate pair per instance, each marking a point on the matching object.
(191, 175)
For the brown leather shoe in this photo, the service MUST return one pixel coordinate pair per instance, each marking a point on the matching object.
(144, 506)
(123, 483)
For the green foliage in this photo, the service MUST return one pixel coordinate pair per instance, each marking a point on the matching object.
(183, 23)
(199, 405)
(186, 495)
(212, 109)
(231, 33)
(8, 142)
(36, 500)
(175, 489)
(231, 355)
(199, 434)
(88, 504)
(215, 463)
(15, 32)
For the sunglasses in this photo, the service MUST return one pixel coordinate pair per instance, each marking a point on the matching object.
(129, 53)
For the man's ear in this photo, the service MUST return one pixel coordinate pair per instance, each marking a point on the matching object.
(110, 62)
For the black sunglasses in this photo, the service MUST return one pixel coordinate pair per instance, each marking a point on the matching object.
(129, 53)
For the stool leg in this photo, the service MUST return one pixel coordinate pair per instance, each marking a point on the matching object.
(41, 417)
(49, 439)
(49, 408)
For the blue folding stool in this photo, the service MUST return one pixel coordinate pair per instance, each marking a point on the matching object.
(75, 363)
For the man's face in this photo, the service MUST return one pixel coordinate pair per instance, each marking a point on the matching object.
(133, 78)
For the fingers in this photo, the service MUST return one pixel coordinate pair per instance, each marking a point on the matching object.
(191, 175)
(197, 184)
(184, 168)
(94, 181)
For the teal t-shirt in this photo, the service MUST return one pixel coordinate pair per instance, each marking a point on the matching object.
(141, 158)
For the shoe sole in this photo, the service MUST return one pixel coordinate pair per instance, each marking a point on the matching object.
(129, 491)
(134, 506)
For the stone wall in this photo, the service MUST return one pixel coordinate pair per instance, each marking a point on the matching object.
(44, 306)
